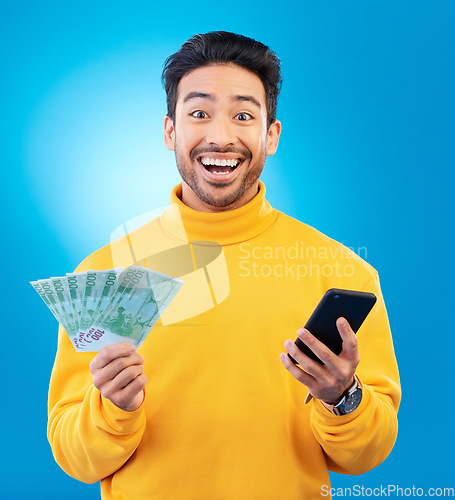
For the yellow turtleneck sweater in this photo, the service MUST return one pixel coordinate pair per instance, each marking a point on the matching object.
(222, 419)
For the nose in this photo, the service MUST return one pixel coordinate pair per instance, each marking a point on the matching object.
(220, 132)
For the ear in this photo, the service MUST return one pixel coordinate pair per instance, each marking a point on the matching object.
(273, 137)
(169, 133)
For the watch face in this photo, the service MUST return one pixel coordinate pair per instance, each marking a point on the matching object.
(353, 401)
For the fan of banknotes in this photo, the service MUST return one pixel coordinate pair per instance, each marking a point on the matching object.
(100, 308)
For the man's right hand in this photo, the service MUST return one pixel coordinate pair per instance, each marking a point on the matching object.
(118, 373)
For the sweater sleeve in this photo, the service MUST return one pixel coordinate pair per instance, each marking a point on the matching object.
(357, 442)
(90, 437)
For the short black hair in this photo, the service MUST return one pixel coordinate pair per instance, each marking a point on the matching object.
(222, 47)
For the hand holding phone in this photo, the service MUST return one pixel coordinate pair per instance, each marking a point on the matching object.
(352, 305)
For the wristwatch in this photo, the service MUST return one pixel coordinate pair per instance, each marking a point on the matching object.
(349, 401)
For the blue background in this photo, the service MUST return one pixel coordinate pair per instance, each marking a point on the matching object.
(366, 156)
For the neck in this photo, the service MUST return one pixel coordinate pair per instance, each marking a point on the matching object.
(226, 227)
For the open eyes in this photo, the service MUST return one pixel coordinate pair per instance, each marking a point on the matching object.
(243, 117)
(240, 116)
(199, 114)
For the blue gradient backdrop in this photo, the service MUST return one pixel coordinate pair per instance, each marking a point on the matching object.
(366, 156)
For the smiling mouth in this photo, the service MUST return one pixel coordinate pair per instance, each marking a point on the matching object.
(220, 166)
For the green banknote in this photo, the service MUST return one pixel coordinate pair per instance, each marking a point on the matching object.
(99, 308)
(63, 300)
(134, 307)
(46, 292)
(99, 287)
(76, 285)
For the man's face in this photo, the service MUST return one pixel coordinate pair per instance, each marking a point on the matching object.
(220, 136)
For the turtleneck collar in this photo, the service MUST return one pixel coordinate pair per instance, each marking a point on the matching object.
(225, 228)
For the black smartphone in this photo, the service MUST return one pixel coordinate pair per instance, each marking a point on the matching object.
(336, 303)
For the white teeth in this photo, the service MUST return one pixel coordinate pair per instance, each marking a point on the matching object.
(219, 173)
(220, 163)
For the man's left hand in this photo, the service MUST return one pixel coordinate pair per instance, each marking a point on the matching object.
(329, 381)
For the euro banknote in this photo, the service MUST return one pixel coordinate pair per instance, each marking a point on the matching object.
(100, 308)
(99, 287)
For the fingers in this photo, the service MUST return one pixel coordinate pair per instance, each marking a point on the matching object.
(306, 363)
(349, 338)
(320, 349)
(107, 354)
(130, 396)
(320, 380)
(328, 381)
(294, 370)
(117, 368)
(349, 350)
(118, 373)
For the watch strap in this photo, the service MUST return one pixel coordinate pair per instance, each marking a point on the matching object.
(333, 407)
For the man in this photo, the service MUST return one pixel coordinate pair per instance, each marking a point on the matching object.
(206, 410)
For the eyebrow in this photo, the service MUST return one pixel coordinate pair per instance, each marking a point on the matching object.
(203, 95)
